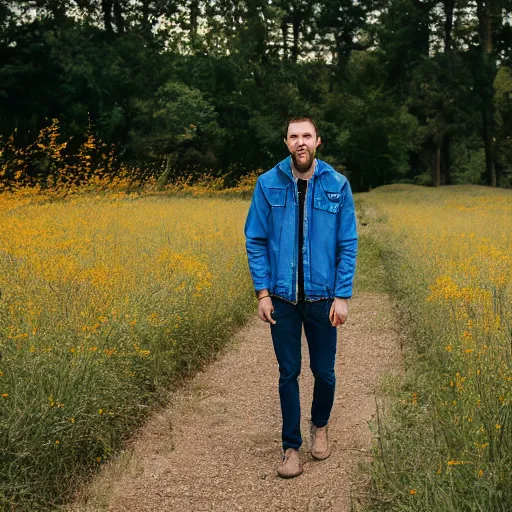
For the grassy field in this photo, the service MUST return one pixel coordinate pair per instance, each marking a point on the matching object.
(108, 300)
(445, 442)
(105, 302)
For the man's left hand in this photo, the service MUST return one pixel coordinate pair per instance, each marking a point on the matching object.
(339, 312)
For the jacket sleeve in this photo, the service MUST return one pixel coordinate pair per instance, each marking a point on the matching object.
(346, 248)
(256, 239)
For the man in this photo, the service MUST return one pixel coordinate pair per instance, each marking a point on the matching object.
(301, 244)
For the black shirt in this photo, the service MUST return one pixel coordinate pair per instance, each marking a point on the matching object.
(302, 186)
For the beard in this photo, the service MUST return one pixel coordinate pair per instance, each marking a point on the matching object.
(303, 166)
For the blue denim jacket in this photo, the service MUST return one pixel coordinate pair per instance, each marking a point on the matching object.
(330, 235)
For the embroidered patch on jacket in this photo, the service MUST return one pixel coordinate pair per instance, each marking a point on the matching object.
(333, 196)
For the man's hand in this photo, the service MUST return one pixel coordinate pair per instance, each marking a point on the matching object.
(265, 307)
(339, 312)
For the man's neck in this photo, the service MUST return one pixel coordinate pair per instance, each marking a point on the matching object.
(304, 175)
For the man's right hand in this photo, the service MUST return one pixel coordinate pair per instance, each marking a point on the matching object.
(265, 307)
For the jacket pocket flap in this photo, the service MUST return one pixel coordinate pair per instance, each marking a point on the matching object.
(275, 196)
(326, 205)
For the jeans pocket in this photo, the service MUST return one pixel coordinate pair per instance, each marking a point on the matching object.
(282, 309)
(328, 306)
(321, 309)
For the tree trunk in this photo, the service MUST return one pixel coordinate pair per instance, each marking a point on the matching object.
(296, 22)
(449, 6)
(146, 29)
(284, 31)
(422, 39)
(194, 14)
(436, 167)
(118, 13)
(106, 6)
(164, 178)
(488, 130)
(487, 63)
(446, 161)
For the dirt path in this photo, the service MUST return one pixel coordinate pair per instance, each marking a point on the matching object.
(217, 446)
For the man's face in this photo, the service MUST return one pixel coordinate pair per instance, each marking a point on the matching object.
(302, 142)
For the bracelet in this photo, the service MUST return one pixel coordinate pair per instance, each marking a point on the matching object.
(264, 297)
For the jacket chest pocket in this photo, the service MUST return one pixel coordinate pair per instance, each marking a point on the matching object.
(275, 196)
(329, 201)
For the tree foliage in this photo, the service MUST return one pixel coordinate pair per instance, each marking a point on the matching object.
(401, 89)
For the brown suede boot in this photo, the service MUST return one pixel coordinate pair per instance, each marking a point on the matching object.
(319, 443)
(291, 466)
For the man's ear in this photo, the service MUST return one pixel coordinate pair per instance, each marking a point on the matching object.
(318, 141)
(284, 140)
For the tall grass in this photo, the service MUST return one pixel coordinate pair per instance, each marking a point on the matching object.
(104, 302)
(446, 439)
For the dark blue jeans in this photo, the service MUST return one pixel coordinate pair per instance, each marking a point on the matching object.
(321, 337)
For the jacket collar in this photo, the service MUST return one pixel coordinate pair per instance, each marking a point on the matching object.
(286, 167)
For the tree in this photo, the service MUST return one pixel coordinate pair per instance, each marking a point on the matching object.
(340, 23)
(299, 14)
(503, 116)
(441, 86)
(489, 14)
(404, 38)
(178, 125)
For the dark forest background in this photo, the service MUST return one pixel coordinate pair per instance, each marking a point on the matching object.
(416, 91)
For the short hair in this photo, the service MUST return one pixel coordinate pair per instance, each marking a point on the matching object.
(300, 120)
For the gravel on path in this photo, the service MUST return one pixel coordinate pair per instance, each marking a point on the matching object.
(216, 447)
